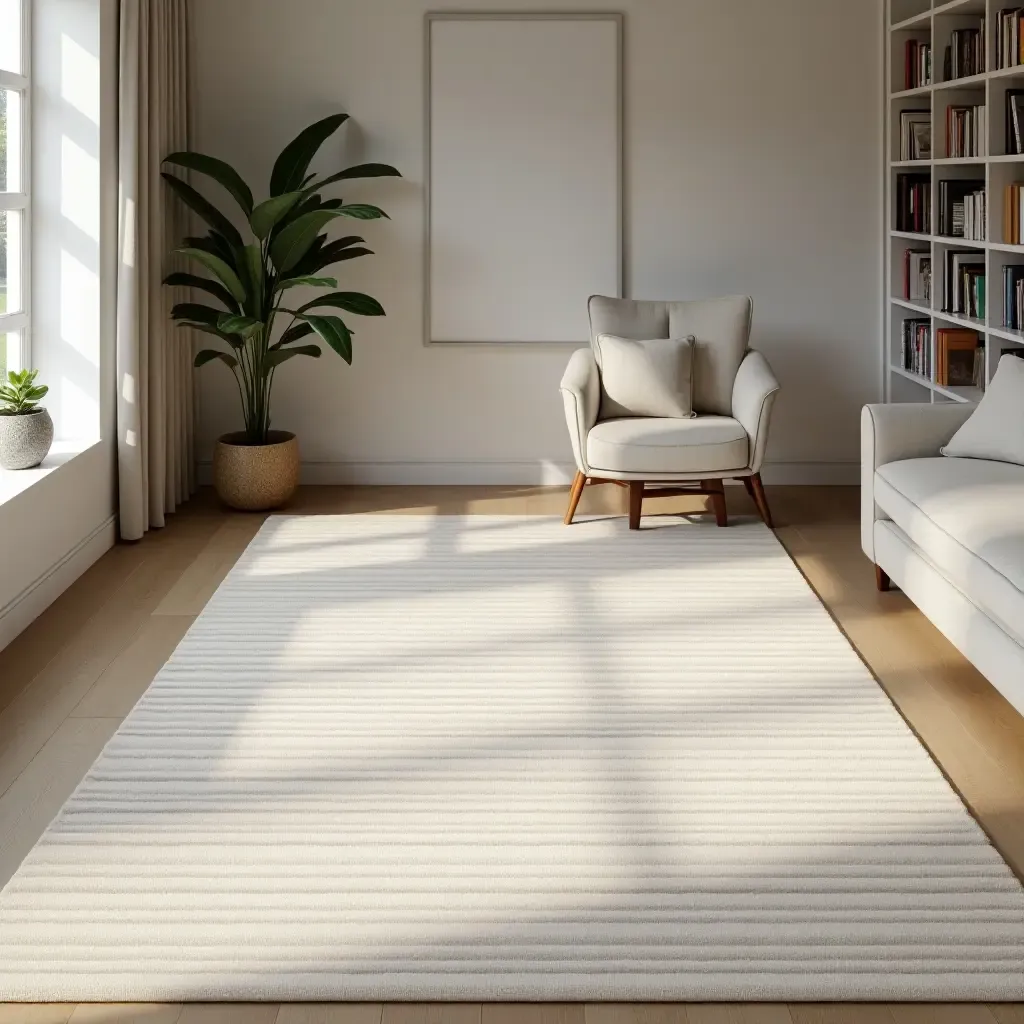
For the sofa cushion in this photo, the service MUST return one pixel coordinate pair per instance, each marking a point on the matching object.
(995, 429)
(706, 444)
(967, 518)
(646, 378)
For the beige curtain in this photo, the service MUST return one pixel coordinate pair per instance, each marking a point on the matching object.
(156, 463)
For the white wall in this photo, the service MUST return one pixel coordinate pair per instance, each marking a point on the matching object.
(753, 165)
(55, 529)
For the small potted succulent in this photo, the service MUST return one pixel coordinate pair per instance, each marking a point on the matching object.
(26, 430)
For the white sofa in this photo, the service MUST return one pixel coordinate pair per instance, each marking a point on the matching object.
(949, 533)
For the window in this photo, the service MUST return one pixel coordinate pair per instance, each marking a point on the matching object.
(14, 184)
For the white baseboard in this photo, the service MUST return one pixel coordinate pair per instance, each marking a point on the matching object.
(540, 472)
(38, 596)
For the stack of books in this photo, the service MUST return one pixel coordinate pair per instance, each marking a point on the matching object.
(914, 203)
(1013, 213)
(965, 130)
(917, 64)
(1009, 44)
(1013, 297)
(964, 286)
(956, 357)
(917, 275)
(962, 208)
(915, 134)
(965, 55)
(917, 347)
(1014, 121)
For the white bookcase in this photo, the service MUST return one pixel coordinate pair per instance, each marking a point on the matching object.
(929, 21)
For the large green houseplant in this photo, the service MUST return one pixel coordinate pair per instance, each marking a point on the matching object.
(252, 281)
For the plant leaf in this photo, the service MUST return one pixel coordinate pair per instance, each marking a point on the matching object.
(222, 173)
(196, 312)
(252, 275)
(246, 326)
(333, 330)
(219, 268)
(353, 302)
(201, 205)
(218, 291)
(358, 171)
(265, 217)
(215, 243)
(294, 333)
(207, 355)
(362, 211)
(291, 166)
(321, 256)
(278, 356)
(309, 282)
(295, 240)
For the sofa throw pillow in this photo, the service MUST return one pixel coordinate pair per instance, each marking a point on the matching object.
(646, 378)
(995, 430)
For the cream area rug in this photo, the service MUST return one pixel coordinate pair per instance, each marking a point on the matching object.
(499, 758)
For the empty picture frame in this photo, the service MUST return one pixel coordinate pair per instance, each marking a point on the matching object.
(524, 175)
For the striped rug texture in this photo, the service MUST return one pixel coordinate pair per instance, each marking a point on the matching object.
(498, 758)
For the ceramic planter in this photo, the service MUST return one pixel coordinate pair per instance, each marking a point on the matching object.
(25, 439)
(256, 477)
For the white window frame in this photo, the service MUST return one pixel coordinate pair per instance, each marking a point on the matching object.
(19, 322)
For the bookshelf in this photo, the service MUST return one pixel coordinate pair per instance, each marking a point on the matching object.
(941, 25)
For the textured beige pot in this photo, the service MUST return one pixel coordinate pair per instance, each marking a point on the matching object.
(256, 477)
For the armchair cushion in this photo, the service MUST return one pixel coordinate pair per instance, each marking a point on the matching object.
(721, 328)
(646, 378)
(708, 444)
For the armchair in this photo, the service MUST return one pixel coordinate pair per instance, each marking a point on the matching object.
(733, 393)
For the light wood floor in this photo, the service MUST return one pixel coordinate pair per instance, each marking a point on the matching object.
(67, 682)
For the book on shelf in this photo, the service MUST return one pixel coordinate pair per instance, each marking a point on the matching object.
(965, 131)
(917, 275)
(915, 135)
(1013, 213)
(1013, 296)
(962, 208)
(964, 284)
(917, 347)
(955, 352)
(914, 203)
(965, 55)
(1009, 52)
(917, 64)
(979, 365)
(1014, 121)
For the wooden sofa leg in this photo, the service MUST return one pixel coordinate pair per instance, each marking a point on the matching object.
(579, 481)
(761, 500)
(882, 580)
(636, 500)
(716, 491)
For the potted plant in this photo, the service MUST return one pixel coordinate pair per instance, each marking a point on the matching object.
(26, 430)
(252, 279)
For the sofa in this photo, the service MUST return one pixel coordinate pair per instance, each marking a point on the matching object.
(949, 532)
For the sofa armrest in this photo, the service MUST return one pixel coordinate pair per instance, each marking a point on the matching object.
(753, 396)
(891, 433)
(581, 397)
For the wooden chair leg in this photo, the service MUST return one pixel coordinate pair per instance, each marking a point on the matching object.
(882, 580)
(716, 491)
(636, 500)
(579, 481)
(749, 487)
(756, 490)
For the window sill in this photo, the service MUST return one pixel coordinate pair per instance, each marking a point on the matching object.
(14, 481)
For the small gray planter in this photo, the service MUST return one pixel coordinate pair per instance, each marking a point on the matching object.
(25, 439)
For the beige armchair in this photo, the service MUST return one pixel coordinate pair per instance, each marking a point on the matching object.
(733, 393)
